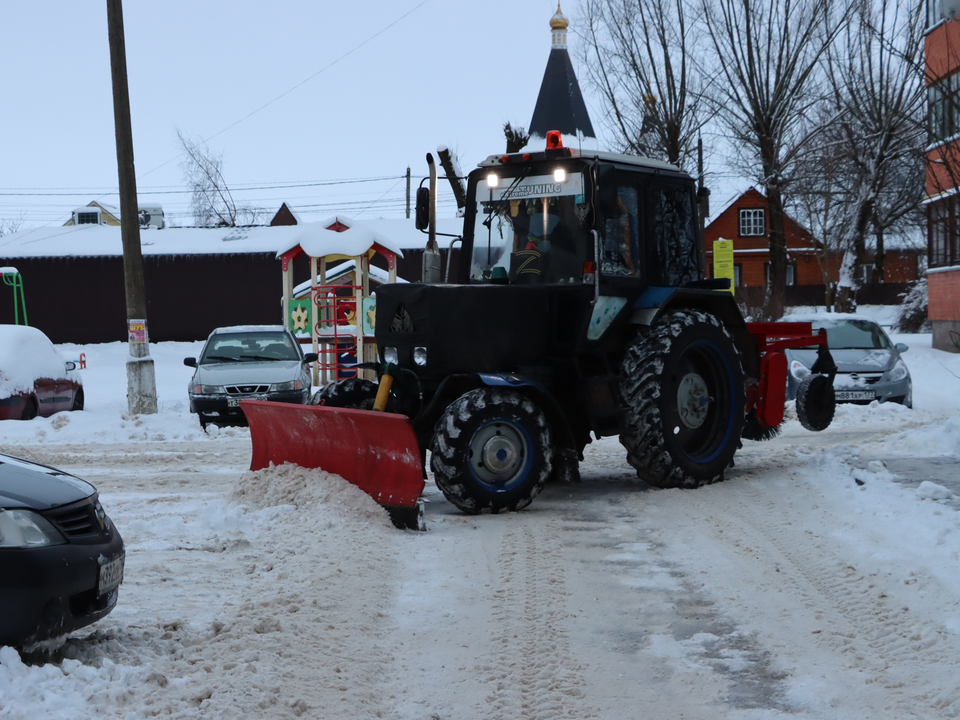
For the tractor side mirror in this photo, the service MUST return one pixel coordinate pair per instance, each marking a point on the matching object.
(607, 190)
(703, 199)
(190, 362)
(422, 216)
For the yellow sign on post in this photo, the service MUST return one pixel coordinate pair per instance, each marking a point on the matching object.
(723, 260)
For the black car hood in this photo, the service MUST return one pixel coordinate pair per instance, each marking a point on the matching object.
(24, 484)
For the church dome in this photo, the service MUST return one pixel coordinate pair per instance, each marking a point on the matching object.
(558, 21)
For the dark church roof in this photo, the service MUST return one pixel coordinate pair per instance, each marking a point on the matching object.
(560, 104)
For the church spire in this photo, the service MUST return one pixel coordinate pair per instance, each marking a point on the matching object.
(560, 104)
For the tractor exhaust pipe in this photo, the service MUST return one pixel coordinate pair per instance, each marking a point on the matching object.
(431, 255)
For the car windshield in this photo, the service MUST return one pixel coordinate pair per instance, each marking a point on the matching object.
(854, 334)
(249, 347)
(531, 227)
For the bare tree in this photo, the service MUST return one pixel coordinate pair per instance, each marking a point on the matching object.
(211, 200)
(769, 55)
(517, 137)
(817, 198)
(8, 226)
(639, 55)
(880, 102)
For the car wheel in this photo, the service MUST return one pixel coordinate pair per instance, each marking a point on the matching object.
(78, 400)
(30, 409)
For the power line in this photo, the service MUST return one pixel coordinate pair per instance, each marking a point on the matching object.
(300, 84)
(145, 191)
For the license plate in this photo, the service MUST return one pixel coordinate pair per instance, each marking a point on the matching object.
(233, 402)
(855, 394)
(111, 575)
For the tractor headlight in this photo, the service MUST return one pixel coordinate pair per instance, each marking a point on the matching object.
(898, 371)
(208, 390)
(291, 385)
(799, 370)
(26, 529)
(391, 355)
(420, 355)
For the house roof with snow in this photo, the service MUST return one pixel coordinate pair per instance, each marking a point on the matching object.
(105, 240)
(560, 105)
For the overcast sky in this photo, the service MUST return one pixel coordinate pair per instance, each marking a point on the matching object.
(291, 92)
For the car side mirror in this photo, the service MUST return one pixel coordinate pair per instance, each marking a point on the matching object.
(902, 347)
(70, 365)
(311, 357)
(190, 362)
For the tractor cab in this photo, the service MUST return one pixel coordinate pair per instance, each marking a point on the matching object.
(561, 216)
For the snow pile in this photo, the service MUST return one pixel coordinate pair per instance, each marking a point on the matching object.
(293, 485)
(929, 440)
(882, 520)
(299, 576)
(931, 491)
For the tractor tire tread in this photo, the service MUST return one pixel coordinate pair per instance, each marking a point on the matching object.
(453, 432)
(641, 387)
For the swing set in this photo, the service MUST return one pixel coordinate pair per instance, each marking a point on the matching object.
(11, 278)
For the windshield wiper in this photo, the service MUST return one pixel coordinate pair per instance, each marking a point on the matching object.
(498, 207)
(222, 358)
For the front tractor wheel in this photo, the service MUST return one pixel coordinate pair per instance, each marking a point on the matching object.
(682, 384)
(492, 451)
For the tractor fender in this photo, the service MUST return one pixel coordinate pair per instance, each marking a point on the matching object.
(545, 400)
(655, 301)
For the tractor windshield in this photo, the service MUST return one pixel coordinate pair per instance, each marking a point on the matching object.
(530, 229)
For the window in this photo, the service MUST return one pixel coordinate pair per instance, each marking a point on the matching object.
(88, 218)
(621, 245)
(791, 274)
(753, 223)
(943, 228)
(934, 12)
(943, 101)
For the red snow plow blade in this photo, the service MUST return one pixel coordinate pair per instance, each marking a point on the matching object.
(376, 451)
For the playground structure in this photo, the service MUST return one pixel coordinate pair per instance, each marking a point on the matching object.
(11, 277)
(334, 311)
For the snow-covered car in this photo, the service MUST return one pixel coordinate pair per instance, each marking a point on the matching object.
(35, 379)
(61, 558)
(869, 366)
(247, 362)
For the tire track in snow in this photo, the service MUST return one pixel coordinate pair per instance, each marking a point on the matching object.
(533, 674)
(912, 663)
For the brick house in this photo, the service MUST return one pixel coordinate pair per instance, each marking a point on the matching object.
(745, 221)
(942, 61)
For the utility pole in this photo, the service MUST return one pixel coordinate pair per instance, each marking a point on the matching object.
(408, 192)
(141, 375)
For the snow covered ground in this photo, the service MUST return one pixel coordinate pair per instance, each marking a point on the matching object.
(820, 580)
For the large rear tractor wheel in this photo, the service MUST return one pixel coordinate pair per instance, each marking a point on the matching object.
(492, 451)
(682, 384)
